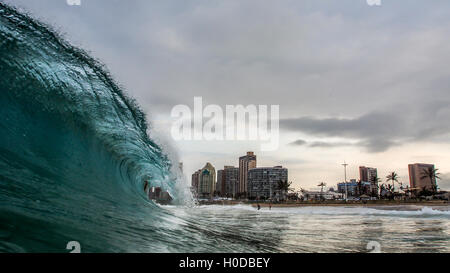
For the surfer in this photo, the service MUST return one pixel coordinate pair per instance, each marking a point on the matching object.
(259, 207)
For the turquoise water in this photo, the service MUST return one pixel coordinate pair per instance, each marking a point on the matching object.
(75, 151)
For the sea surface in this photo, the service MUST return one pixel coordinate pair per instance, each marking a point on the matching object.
(75, 151)
(242, 228)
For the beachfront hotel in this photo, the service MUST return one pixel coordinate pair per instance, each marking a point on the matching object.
(207, 181)
(228, 181)
(220, 185)
(369, 175)
(263, 182)
(195, 180)
(246, 163)
(417, 180)
(231, 181)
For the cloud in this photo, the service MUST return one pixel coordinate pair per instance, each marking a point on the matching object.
(369, 77)
(444, 182)
(320, 144)
(323, 144)
(299, 142)
(313, 57)
(378, 131)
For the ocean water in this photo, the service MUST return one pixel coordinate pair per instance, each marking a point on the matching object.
(74, 149)
(242, 228)
(75, 152)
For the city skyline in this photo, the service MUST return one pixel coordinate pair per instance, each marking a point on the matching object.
(366, 174)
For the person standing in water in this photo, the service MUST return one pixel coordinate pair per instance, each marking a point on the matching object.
(259, 207)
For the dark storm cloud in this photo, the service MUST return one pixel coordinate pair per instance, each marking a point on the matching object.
(374, 76)
(323, 144)
(378, 131)
(320, 144)
(299, 142)
(319, 57)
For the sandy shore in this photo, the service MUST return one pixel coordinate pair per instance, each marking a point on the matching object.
(421, 204)
(382, 203)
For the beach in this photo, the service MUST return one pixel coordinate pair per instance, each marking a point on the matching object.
(377, 203)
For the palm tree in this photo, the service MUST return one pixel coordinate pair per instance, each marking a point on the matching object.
(393, 176)
(390, 189)
(304, 193)
(321, 185)
(425, 192)
(382, 190)
(375, 181)
(284, 186)
(433, 175)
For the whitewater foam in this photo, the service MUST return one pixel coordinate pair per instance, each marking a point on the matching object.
(339, 210)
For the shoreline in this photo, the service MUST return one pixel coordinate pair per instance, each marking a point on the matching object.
(329, 204)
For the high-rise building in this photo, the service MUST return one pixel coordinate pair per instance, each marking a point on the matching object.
(368, 174)
(263, 183)
(231, 175)
(195, 180)
(417, 181)
(228, 181)
(207, 181)
(220, 185)
(246, 163)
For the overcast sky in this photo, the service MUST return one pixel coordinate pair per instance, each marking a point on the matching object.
(365, 84)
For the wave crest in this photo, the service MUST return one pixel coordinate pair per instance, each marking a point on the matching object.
(74, 149)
